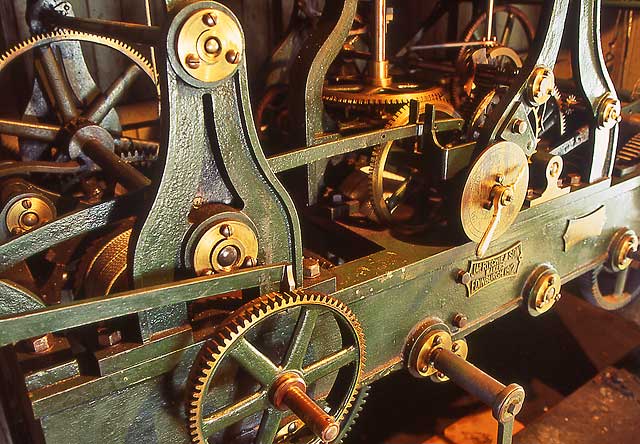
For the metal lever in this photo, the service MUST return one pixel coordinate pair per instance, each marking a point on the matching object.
(501, 196)
(505, 401)
(290, 393)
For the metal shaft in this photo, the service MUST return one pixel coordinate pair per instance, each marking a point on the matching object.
(321, 424)
(489, 19)
(468, 376)
(129, 32)
(379, 72)
(114, 166)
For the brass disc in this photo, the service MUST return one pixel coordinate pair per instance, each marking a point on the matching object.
(504, 159)
(210, 45)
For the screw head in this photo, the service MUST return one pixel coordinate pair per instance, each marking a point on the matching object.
(197, 202)
(209, 19)
(226, 230)
(233, 57)
(26, 204)
(292, 427)
(192, 61)
(249, 262)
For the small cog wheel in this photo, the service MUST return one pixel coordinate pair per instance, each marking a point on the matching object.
(610, 290)
(270, 355)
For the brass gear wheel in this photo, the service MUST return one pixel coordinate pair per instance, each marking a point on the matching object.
(235, 374)
(383, 205)
(63, 35)
(394, 94)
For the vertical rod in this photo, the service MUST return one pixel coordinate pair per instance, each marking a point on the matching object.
(489, 20)
(379, 71)
(380, 30)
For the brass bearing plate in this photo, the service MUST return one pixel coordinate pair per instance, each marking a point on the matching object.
(504, 159)
(226, 235)
(542, 289)
(461, 349)
(624, 242)
(209, 45)
(224, 242)
(28, 212)
(420, 361)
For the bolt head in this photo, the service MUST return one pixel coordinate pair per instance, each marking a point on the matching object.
(519, 126)
(42, 344)
(108, 337)
(464, 277)
(460, 320)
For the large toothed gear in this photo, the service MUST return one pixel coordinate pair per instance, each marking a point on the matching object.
(64, 35)
(71, 119)
(234, 376)
(395, 94)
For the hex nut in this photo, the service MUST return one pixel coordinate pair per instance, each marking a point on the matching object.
(108, 337)
(311, 268)
(41, 344)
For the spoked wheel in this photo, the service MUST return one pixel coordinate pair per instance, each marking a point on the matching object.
(58, 136)
(508, 23)
(284, 365)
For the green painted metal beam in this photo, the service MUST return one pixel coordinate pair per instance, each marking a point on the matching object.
(61, 317)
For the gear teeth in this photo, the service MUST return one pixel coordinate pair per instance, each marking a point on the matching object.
(61, 35)
(562, 112)
(243, 319)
